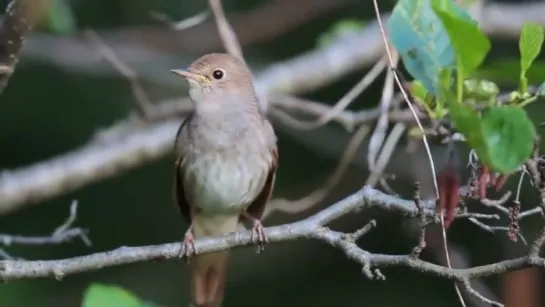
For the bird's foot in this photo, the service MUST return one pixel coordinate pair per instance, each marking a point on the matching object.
(187, 248)
(258, 235)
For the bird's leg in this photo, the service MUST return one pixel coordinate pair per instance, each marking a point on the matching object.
(188, 245)
(258, 233)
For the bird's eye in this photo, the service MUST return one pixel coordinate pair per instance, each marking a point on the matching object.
(218, 74)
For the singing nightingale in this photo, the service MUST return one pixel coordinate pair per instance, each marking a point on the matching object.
(226, 161)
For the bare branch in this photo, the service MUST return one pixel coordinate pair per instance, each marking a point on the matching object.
(347, 99)
(386, 152)
(64, 233)
(378, 136)
(313, 227)
(348, 119)
(422, 217)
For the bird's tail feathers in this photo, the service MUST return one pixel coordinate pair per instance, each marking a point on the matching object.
(208, 271)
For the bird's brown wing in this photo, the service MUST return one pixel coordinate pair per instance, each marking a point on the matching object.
(179, 193)
(180, 198)
(257, 207)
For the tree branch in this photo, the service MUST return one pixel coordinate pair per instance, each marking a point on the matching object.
(313, 227)
(64, 233)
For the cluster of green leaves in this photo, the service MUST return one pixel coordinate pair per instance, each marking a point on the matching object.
(441, 46)
(100, 295)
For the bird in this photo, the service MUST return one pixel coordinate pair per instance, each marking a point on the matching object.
(225, 167)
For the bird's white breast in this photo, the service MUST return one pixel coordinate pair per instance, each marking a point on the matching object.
(227, 157)
(227, 184)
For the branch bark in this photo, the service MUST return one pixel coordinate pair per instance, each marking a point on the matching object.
(313, 227)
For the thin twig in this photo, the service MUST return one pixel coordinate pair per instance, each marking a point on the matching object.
(347, 99)
(308, 201)
(378, 136)
(182, 24)
(494, 229)
(387, 151)
(142, 102)
(347, 118)
(64, 233)
(226, 32)
(422, 217)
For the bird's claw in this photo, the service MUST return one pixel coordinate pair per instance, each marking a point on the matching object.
(258, 235)
(187, 248)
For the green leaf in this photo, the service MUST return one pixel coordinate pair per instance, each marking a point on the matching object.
(61, 17)
(99, 295)
(531, 39)
(422, 41)
(420, 38)
(530, 42)
(470, 44)
(509, 136)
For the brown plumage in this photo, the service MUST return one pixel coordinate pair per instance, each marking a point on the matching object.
(226, 165)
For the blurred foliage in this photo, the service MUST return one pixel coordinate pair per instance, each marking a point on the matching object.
(60, 17)
(345, 27)
(99, 295)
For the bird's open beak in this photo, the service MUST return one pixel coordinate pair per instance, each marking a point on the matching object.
(188, 75)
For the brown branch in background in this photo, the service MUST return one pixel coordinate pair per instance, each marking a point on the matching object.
(63, 233)
(19, 17)
(143, 104)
